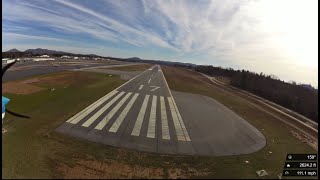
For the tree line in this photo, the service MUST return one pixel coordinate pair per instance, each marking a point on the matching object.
(290, 95)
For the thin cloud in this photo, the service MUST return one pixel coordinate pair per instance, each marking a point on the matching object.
(17, 37)
(238, 34)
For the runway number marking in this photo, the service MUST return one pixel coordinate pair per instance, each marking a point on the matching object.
(141, 86)
(149, 80)
(155, 87)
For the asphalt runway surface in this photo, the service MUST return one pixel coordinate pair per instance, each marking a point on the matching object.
(125, 75)
(215, 129)
(142, 114)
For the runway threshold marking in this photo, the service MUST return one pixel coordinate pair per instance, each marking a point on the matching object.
(176, 121)
(106, 119)
(141, 86)
(164, 120)
(97, 114)
(118, 122)
(139, 121)
(184, 130)
(152, 118)
(76, 118)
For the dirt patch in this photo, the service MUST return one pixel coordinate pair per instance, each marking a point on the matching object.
(65, 79)
(4, 130)
(20, 88)
(97, 169)
(33, 85)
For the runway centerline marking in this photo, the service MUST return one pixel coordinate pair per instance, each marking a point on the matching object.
(141, 86)
(97, 114)
(139, 121)
(118, 122)
(155, 87)
(164, 120)
(76, 118)
(106, 119)
(152, 118)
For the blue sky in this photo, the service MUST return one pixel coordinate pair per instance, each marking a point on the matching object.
(242, 34)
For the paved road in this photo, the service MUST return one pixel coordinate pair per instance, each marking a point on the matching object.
(142, 114)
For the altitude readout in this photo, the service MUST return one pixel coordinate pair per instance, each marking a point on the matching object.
(293, 165)
(307, 165)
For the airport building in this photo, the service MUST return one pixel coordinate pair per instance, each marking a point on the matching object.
(43, 59)
(7, 60)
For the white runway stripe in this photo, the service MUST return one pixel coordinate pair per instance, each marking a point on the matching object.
(118, 122)
(103, 109)
(176, 121)
(112, 112)
(152, 118)
(149, 80)
(164, 120)
(137, 126)
(76, 118)
(141, 86)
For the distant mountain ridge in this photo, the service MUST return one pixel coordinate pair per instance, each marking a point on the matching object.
(15, 53)
(134, 58)
(14, 50)
(44, 51)
(39, 51)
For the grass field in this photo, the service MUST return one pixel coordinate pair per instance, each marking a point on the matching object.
(32, 149)
(139, 67)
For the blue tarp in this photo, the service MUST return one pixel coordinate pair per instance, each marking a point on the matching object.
(4, 102)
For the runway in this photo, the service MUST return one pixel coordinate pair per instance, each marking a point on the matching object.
(142, 114)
